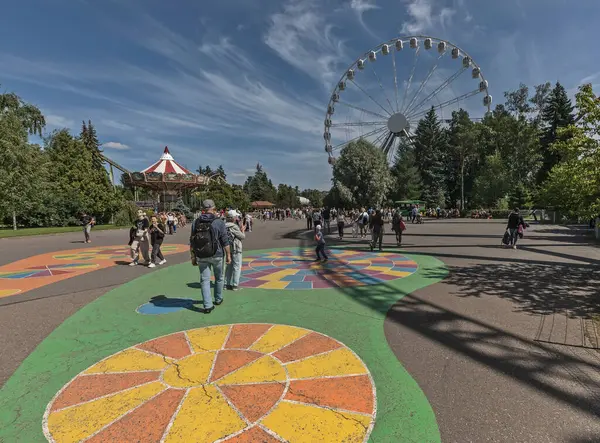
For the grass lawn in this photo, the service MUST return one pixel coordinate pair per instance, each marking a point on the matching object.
(5, 233)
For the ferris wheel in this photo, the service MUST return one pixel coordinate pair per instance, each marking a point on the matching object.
(382, 95)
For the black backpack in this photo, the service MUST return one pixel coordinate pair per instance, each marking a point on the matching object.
(203, 241)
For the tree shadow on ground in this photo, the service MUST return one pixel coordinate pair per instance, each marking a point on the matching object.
(534, 288)
(558, 374)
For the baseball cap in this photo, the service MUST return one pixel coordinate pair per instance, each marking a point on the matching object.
(208, 204)
(318, 227)
(233, 213)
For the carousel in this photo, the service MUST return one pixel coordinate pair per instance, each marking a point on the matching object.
(167, 179)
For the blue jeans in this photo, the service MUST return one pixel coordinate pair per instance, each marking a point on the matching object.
(205, 265)
(234, 270)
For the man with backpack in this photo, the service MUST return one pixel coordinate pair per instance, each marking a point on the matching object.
(208, 243)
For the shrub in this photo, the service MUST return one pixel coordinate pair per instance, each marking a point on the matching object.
(126, 215)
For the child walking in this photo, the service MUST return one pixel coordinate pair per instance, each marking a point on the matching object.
(320, 239)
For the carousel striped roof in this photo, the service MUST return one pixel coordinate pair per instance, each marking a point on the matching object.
(167, 165)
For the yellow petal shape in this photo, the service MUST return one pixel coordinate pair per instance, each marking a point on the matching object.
(205, 416)
(79, 422)
(208, 339)
(130, 360)
(339, 362)
(191, 371)
(277, 337)
(299, 423)
(265, 369)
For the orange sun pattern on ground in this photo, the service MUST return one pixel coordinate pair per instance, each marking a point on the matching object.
(232, 383)
(41, 270)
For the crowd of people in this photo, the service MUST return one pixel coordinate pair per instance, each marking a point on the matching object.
(216, 240)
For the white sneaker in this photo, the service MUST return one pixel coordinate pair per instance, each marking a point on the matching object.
(133, 263)
(152, 265)
(162, 262)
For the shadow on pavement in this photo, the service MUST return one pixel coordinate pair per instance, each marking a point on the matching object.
(534, 288)
(560, 375)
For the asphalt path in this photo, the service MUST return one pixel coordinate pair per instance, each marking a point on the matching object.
(504, 347)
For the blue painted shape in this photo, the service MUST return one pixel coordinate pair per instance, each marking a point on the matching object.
(262, 268)
(299, 285)
(21, 275)
(165, 306)
(292, 278)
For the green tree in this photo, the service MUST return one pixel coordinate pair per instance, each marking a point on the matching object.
(77, 180)
(492, 184)
(407, 179)
(363, 169)
(21, 170)
(518, 102)
(30, 117)
(221, 172)
(286, 197)
(540, 97)
(462, 152)
(259, 187)
(573, 184)
(431, 143)
(225, 195)
(315, 196)
(89, 139)
(557, 113)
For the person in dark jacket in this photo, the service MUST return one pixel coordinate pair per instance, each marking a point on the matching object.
(205, 264)
(376, 226)
(157, 235)
(515, 220)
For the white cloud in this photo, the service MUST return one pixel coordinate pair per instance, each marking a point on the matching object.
(361, 7)
(301, 36)
(116, 145)
(424, 16)
(57, 121)
(420, 12)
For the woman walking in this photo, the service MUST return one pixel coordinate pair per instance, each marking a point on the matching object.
(236, 235)
(157, 235)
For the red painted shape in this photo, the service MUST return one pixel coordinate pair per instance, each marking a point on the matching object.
(349, 393)
(89, 387)
(174, 346)
(228, 361)
(243, 335)
(169, 167)
(254, 401)
(144, 424)
(253, 435)
(311, 344)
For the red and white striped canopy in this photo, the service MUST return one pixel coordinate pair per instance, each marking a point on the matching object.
(167, 165)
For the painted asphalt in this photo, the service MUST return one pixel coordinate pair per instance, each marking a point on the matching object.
(501, 348)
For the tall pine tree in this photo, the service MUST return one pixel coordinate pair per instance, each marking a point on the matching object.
(557, 113)
(90, 140)
(407, 179)
(430, 146)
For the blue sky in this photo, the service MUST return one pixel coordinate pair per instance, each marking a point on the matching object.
(236, 82)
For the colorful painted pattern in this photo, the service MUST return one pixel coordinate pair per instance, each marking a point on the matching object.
(299, 270)
(232, 383)
(41, 270)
